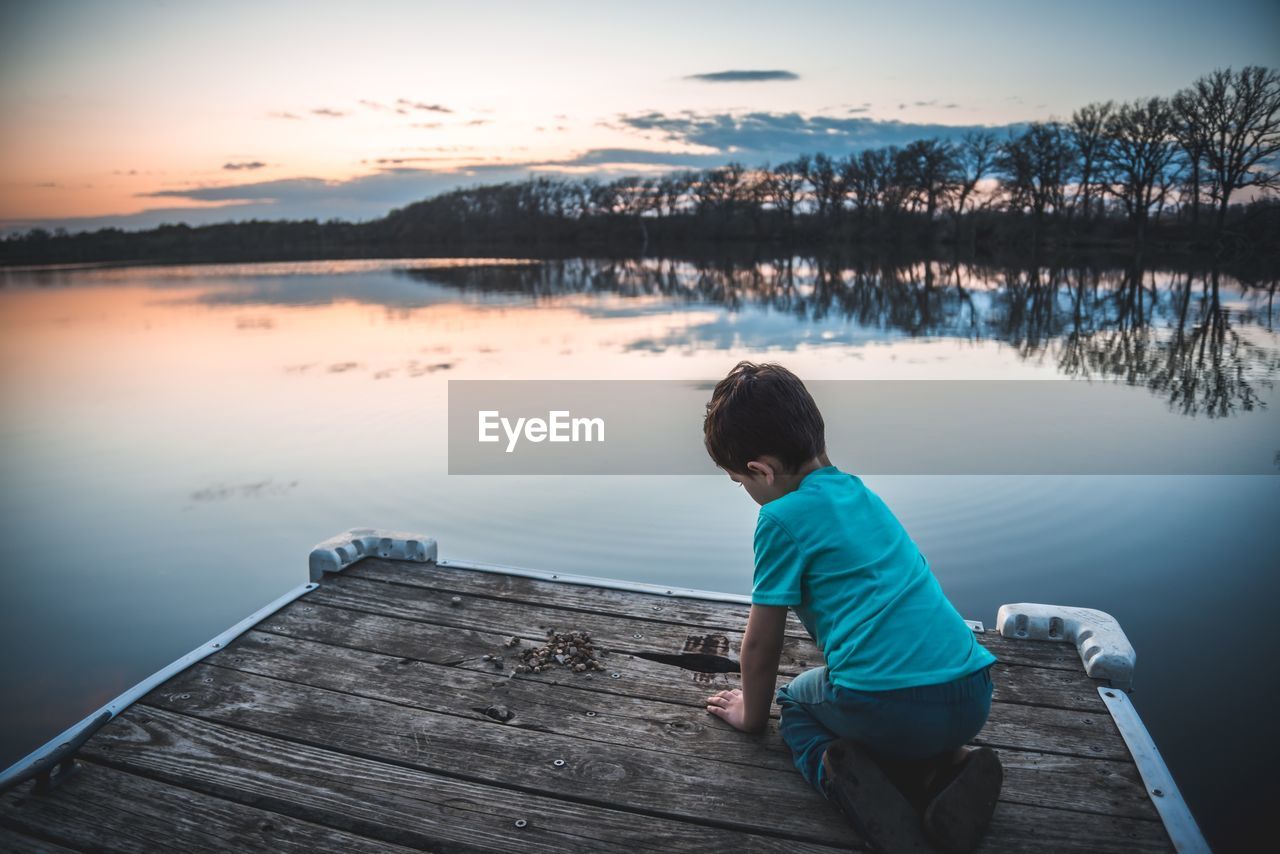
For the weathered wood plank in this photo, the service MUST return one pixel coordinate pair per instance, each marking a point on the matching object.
(392, 802)
(101, 808)
(1054, 655)
(617, 633)
(530, 622)
(13, 842)
(1047, 730)
(645, 723)
(1056, 781)
(695, 614)
(465, 648)
(1039, 686)
(1086, 785)
(691, 613)
(601, 774)
(1018, 829)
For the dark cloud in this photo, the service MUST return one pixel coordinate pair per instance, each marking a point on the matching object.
(326, 111)
(279, 114)
(743, 76)
(257, 191)
(418, 105)
(478, 122)
(762, 136)
(639, 157)
(246, 165)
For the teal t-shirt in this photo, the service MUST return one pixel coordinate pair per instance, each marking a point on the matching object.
(834, 552)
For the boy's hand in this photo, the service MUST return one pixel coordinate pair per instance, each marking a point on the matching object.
(747, 709)
(729, 707)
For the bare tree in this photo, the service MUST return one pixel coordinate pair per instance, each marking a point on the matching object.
(633, 196)
(975, 158)
(602, 198)
(1241, 115)
(784, 185)
(1191, 129)
(1140, 151)
(670, 192)
(862, 173)
(1087, 132)
(824, 179)
(928, 168)
(1033, 165)
(891, 189)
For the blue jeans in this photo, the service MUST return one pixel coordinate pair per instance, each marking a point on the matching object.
(906, 723)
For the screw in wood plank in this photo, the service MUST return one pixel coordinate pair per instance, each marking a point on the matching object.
(559, 763)
(1159, 793)
(455, 601)
(521, 822)
(184, 696)
(591, 714)
(637, 636)
(616, 675)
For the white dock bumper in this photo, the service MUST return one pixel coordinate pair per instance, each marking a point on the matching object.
(1102, 644)
(337, 553)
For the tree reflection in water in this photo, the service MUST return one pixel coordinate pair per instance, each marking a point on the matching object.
(1173, 332)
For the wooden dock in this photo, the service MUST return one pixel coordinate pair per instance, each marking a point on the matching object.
(363, 716)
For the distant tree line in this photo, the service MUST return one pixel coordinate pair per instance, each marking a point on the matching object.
(1162, 171)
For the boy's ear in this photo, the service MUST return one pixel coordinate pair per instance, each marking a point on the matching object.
(761, 468)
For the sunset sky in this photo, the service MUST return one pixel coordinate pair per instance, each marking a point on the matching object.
(134, 113)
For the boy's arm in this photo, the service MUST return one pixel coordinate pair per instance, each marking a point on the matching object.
(748, 709)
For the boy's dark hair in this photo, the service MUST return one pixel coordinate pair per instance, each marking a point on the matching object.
(762, 409)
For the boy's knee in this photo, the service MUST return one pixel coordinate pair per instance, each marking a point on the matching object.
(809, 688)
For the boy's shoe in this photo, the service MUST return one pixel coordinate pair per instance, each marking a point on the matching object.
(870, 802)
(963, 800)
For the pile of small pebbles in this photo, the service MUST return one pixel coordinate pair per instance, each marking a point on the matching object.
(572, 650)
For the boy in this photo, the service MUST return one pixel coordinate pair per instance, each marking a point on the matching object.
(880, 730)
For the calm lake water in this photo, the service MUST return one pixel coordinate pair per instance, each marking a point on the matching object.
(173, 440)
